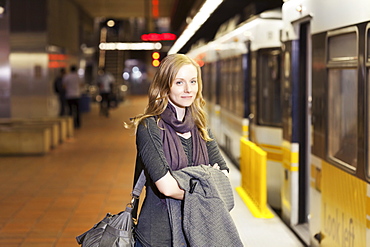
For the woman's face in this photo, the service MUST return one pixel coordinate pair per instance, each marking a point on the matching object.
(184, 87)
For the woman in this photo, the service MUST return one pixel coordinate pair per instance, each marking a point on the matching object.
(171, 135)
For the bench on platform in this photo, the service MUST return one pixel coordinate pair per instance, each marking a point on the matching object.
(22, 123)
(24, 140)
(61, 124)
(69, 125)
(59, 128)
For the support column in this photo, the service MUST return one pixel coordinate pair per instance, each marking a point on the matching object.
(5, 71)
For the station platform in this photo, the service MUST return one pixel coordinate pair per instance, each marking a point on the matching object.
(48, 200)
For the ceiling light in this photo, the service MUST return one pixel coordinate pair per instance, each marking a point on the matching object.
(204, 13)
(110, 23)
(130, 46)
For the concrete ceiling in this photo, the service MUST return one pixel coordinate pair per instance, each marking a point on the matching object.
(176, 10)
(123, 9)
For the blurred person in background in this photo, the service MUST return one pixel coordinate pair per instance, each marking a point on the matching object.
(105, 83)
(73, 86)
(60, 90)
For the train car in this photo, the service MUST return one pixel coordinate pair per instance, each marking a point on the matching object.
(241, 77)
(303, 96)
(326, 61)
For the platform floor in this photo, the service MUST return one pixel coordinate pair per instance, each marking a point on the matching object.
(49, 200)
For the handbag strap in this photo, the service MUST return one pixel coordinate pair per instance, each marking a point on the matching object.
(139, 185)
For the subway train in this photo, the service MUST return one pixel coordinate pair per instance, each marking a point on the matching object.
(295, 81)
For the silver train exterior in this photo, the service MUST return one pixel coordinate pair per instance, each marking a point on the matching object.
(304, 99)
(241, 77)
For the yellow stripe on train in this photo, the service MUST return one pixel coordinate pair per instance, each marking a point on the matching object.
(290, 156)
(344, 208)
(274, 153)
(368, 213)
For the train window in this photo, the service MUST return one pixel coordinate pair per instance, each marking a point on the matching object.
(211, 94)
(239, 87)
(222, 84)
(206, 78)
(225, 85)
(368, 44)
(343, 47)
(368, 107)
(342, 133)
(368, 95)
(342, 116)
(269, 96)
(228, 83)
(232, 81)
(216, 82)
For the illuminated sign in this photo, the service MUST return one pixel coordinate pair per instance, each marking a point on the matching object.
(57, 60)
(155, 8)
(158, 36)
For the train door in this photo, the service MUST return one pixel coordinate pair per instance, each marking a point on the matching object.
(305, 131)
(266, 126)
(296, 131)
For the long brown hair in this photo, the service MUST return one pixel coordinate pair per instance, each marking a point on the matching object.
(160, 89)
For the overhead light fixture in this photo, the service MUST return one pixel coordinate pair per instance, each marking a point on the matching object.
(2, 7)
(204, 13)
(111, 23)
(130, 46)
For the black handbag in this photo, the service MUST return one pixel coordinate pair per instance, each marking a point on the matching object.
(115, 230)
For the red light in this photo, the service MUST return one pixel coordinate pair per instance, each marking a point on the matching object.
(57, 57)
(155, 9)
(158, 36)
(57, 64)
(57, 60)
(168, 36)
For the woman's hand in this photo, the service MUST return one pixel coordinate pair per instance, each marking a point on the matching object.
(216, 166)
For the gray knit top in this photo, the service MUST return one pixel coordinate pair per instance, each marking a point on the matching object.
(153, 227)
